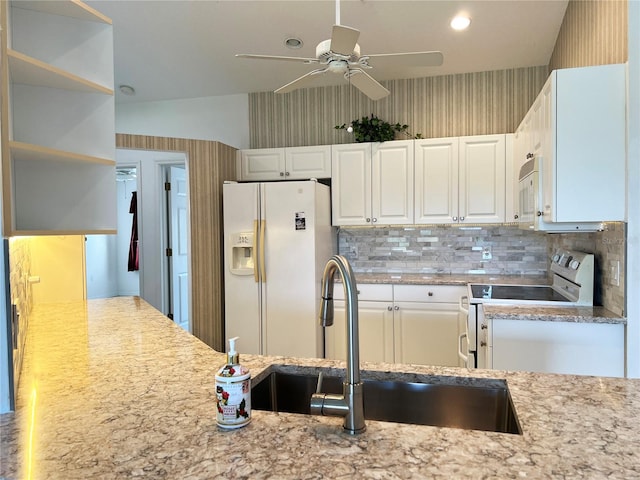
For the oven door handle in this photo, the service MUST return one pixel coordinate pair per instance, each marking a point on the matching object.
(463, 357)
(464, 311)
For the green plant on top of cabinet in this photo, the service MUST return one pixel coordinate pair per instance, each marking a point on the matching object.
(461, 179)
(372, 183)
(290, 163)
(58, 127)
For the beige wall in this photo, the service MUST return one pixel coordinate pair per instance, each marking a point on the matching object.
(59, 262)
(209, 165)
(443, 106)
(592, 33)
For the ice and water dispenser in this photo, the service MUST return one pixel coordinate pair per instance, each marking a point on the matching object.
(242, 254)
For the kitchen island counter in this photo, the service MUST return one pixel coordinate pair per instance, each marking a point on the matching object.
(112, 389)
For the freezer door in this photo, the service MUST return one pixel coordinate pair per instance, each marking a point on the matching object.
(243, 316)
(292, 298)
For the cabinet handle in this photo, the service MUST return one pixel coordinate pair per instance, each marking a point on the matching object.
(462, 219)
(455, 219)
(389, 308)
(539, 213)
(483, 326)
(430, 294)
(286, 174)
(374, 220)
(282, 174)
(483, 344)
(396, 307)
(515, 217)
(368, 220)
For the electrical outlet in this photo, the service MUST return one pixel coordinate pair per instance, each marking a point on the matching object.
(614, 273)
(486, 252)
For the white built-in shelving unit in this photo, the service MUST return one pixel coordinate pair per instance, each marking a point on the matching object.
(58, 126)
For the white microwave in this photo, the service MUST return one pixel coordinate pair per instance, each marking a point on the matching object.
(529, 195)
(530, 203)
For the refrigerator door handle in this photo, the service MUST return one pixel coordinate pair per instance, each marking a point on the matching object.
(254, 249)
(263, 269)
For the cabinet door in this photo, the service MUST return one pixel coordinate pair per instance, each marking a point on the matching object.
(392, 183)
(436, 180)
(351, 184)
(426, 333)
(482, 179)
(302, 163)
(590, 148)
(261, 164)
(558, 347)
(375, 329)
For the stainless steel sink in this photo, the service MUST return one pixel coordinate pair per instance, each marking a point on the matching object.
(474, 404)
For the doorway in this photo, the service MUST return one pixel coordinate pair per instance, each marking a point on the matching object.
(154, 220)
(177, 243)
(107, 272)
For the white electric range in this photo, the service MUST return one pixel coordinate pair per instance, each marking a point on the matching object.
(573, 277)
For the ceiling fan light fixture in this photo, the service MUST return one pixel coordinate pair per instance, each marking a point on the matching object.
(293, 43)
(460, 22)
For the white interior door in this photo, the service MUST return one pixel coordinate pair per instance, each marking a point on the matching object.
(179, 246)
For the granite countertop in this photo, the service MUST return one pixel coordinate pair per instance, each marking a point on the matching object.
(113, 389)
(580, 314)
(577, 314)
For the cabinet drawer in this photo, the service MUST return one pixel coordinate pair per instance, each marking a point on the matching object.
(428, 293)
(367, 291)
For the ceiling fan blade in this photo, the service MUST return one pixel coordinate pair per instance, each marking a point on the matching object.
(409, 59)
(367, 84)
(343, 39)
(300, 82)
(277, 57)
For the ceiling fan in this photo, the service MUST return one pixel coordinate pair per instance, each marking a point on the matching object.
(341, 54)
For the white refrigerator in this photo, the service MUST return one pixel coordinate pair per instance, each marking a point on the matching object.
(277, 239)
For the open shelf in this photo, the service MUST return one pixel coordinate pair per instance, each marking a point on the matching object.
(69, 8)
(30, 71)
(27, 152)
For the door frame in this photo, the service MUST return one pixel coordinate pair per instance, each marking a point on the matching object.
(152, 220)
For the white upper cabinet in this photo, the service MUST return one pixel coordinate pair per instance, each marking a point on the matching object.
(261, 164)
(585, 144)
(482, 179)
(291, 163)
(436, 180)
(460, 179)
(58, 127)
(372, 183)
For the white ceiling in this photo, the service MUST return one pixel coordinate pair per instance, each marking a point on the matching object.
(186, 49)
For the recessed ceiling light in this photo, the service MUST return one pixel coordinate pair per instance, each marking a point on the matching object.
(127, 90)
(460, 22)
(293, 43)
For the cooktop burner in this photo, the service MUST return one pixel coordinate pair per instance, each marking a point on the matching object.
(532, 293)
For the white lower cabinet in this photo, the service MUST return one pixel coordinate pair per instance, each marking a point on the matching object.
(400, 324)
(558, 347)
(426, 333)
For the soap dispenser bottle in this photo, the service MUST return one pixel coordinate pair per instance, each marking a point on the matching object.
(233, 391)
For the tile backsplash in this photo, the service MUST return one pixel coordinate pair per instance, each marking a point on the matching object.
(445, 249)
(460, 250)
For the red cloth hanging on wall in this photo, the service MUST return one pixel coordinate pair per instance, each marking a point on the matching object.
(133, 244)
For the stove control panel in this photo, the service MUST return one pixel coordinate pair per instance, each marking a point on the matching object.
(576, 267)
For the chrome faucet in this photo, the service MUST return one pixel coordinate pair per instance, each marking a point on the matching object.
(350, 404)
